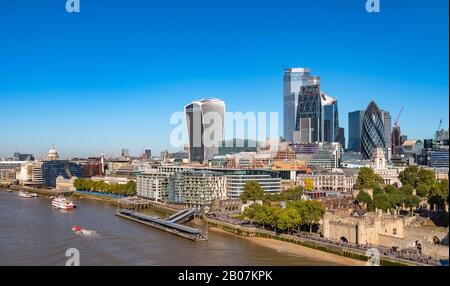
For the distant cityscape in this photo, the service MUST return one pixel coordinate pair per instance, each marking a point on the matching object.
(311, 155)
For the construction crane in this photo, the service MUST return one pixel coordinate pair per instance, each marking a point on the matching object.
(398, 116)
(440, 124)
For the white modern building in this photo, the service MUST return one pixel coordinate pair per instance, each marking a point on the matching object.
(237, 181)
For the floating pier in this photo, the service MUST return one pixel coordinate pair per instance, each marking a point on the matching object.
(169, 225)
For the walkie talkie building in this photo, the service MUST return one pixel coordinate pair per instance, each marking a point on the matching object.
(205, 128)
(372, 131)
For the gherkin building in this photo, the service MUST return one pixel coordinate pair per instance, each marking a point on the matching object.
(372, 131)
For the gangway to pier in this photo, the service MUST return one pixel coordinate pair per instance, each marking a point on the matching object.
(182, 216)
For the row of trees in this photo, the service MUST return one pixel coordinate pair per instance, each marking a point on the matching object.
(294, 215)
(412, 178)
(390, 198)
(426, 185)
(253, 191)
(128, 189)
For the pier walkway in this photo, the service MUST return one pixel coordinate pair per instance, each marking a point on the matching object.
(166, 225)
(182, 216)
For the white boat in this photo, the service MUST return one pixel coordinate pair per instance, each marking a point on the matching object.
(63, 203)
(26, 195)
(9, 191)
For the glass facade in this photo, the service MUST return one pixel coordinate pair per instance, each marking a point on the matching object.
(53, 168)
(197, 126)
(330, 119)
(372, 131)
(309, 114)
(294, 79)
(387, 133)
(355, 122)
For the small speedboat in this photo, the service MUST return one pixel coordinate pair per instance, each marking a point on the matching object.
(9, 191)
(77, 228)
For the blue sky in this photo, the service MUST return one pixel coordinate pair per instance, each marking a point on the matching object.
(110, 76)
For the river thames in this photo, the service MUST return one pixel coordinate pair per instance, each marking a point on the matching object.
(34, 233)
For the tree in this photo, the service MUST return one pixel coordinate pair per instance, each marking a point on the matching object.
(411, 202)
(409, 176)
(396, 198)
(438, 194)
(293, 194)
(252, 191)
(288, 219)
(381, 201)
(367, 179)
(309, 186)
(407, 190)
(422, 190)
(389, 189)
(413, 175)
(364, 197)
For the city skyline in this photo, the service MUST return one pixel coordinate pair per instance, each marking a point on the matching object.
(104, 96)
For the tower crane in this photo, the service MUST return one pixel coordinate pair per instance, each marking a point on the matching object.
(398, 116)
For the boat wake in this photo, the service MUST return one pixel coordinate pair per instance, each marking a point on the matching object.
(87, 233)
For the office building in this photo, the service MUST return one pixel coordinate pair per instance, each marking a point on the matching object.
(355, 123)
(396, 140)
(205, 127)
(23, 157)
(294, 81)
(439, 159)
(237, 180)
(147, 154)
(326, 157)
(373, 135)
(342, 138)
(387, 133)
(330, 119)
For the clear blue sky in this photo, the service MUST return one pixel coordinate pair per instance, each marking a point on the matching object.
(111, 76)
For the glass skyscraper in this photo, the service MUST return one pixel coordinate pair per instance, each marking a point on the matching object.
(373, 135)
(355, 123)
(197, 124)
(299, 86)
(387, 133)
(330, 119)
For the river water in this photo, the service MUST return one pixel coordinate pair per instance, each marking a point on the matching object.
(34, 233)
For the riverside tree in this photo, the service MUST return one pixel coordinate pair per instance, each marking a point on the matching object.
(252, 191)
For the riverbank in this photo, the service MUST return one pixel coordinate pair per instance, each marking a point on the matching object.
(298, 250)
(322, 247)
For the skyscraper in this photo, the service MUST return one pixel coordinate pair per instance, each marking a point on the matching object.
(396, 139)
(330, 119)
(294, 82)
(309, 114)
(387, 133)
(342, 137)
(355, 123)
(372, 131)
(205, 128)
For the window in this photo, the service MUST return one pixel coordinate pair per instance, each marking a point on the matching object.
(394, 231)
